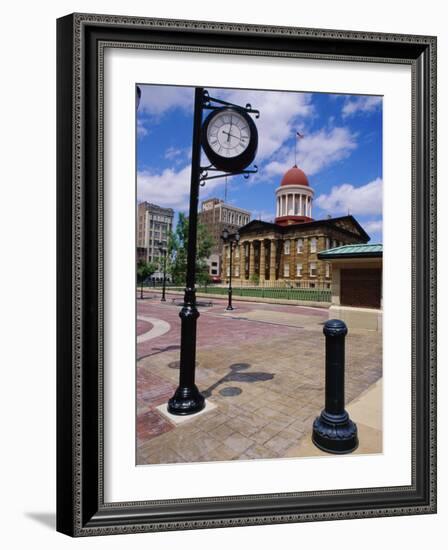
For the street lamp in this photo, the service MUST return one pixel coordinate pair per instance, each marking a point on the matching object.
(230, 153)
(232, 241)
(163, 251)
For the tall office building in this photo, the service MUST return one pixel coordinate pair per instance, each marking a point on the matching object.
(154, 224)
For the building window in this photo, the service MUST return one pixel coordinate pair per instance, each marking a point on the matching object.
(313, 269)
(298, 270)
(214, 272)
(215, 264)
(228, 271)
(287, 247)
(335, 244)
(237, 271)
(237, 252)
(228, 251)
(286, 270)
(327, 242)
(313, 244)
(299, 246)
(327, 270)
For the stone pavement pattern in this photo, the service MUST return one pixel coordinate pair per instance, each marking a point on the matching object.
(263, 367)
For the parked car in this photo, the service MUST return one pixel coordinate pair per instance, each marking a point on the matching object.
(216, 279)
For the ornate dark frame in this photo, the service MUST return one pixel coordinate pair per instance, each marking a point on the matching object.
(81, 39)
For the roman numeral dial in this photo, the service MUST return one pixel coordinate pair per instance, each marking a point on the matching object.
(229, 139)
(228, 134)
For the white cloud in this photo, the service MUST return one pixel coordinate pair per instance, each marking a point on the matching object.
(141, 130)
(367, 199)
(178, 155)
(373, 226)
(173, 152)
(171, 188)
(263, 215)
(156, 100)
(361, 104)
(315, 152)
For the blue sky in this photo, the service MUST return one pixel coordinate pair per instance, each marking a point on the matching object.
(341, 151)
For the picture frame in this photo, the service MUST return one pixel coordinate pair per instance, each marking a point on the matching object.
(81, 506)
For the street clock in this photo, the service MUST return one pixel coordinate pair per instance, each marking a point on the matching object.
(229, 139)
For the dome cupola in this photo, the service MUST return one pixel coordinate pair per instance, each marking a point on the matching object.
(294, 198)
(294, 176)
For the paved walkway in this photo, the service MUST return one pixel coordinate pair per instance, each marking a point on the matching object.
(262, 366)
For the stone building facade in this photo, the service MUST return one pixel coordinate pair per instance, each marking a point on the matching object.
(286, 252)
(216, 215)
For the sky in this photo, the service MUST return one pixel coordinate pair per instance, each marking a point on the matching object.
(340, 152)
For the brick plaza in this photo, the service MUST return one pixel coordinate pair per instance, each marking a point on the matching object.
(261, 368)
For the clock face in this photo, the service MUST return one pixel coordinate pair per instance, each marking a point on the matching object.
(229, 139)
(228, 134)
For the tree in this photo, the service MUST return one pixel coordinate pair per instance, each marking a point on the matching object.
(255, 278)
(178, 251)
(144, 270)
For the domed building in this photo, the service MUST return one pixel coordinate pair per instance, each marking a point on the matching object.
(286, 251)
(294, 198)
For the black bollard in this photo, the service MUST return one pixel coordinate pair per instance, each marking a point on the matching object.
(333, 431)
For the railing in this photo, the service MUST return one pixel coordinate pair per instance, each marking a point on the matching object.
(304, 284)
(302, 294)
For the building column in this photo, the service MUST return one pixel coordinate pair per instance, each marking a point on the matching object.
(262, 261)
(242, 262)
(273, 253)
(293, 259)
(251, 260)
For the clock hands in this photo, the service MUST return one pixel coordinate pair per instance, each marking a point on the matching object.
(230, 129)
(229, 135)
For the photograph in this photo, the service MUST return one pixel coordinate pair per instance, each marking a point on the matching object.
(275, 350)
(246, 274)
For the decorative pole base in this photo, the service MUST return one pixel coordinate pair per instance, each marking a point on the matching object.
(335, 434)
(229, 300)
(186, 400)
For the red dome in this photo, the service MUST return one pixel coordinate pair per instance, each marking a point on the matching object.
(295, 176)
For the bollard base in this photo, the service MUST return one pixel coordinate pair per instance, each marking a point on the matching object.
(186, 400)
(335, 434)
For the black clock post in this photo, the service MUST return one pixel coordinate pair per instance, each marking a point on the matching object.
(187, 399)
